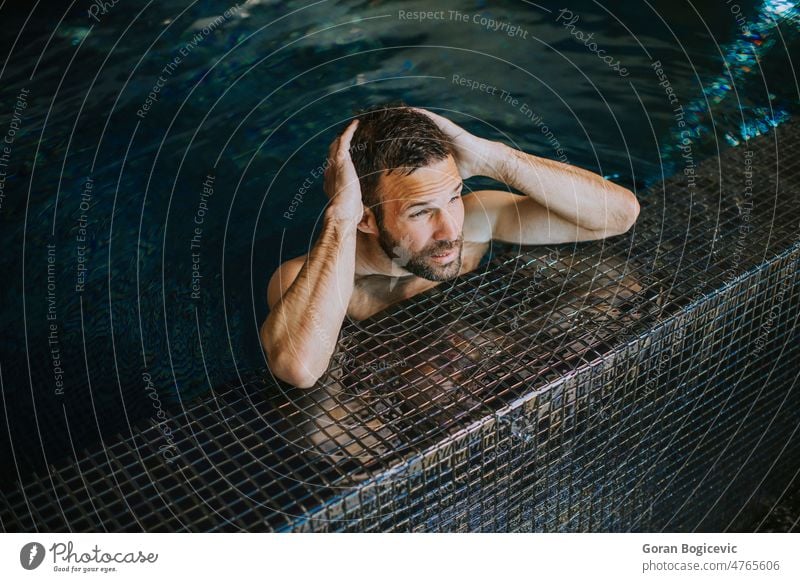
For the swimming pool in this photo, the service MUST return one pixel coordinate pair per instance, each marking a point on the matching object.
(163, 161)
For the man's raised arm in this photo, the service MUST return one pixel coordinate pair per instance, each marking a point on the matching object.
(580, 197)
(299, 336)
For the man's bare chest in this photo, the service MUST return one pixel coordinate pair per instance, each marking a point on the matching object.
(375, 293)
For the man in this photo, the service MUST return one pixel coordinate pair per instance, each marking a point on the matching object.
(398, 224)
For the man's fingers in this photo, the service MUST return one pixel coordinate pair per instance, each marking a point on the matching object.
(338, 154)
(430, 114)
(333, 147)
(348, 135)
(436, 117)
(342, 142)
(447, 126)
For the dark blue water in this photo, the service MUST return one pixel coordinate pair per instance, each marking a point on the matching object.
(139, 232)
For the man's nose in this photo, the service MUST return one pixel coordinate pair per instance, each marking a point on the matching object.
(447, 227)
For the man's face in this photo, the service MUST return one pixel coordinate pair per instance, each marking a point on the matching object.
(423, 216)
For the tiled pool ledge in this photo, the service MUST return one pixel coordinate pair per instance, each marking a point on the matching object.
(641, 383)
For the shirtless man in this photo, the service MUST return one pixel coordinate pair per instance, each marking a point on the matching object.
(397, 224)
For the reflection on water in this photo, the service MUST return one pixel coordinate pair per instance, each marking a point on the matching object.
(739, 116)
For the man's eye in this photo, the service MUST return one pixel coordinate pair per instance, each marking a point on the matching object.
(454, 198)
(420, 213)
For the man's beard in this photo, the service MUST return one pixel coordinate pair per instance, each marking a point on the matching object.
(422, 263)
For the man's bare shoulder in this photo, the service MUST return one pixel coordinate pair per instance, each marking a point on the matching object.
(478, 213)
(282, 279)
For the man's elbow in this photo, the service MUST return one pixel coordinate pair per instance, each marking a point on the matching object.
(626, 218)
(286, 367)
(292, 372)
(632, 214)
(297, 378)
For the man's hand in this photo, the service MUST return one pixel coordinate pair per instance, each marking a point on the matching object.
(319, 286)
(474, 155)
(341, 181)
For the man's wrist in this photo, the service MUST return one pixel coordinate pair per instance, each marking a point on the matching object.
(333, 217)
(504, 161)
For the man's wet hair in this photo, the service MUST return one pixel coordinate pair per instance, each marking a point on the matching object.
(392, 137)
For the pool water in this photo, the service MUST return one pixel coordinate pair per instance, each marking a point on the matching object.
(166, 160)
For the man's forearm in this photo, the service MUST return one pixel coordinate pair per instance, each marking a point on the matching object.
(302, 329)
(577, 195)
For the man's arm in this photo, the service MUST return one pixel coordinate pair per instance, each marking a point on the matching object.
(562, 203)
(569, 203)
(299, 335)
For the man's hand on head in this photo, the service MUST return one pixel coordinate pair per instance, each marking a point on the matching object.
(341, 183)
(474, 155)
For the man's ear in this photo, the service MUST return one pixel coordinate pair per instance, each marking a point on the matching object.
(368, 223)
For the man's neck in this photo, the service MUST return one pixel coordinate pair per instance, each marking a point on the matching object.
(371, 260)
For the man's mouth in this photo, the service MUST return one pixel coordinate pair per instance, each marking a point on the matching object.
(444, 255)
